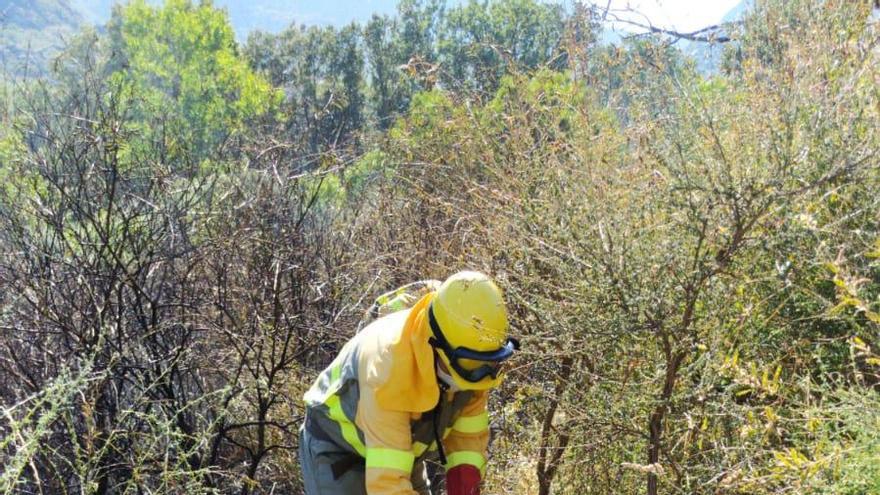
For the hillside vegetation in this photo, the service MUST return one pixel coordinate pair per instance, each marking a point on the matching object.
(32, 32)
(190, 229)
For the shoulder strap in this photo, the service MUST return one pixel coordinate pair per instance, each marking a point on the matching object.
(401, 298)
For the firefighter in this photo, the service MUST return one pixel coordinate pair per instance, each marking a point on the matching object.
(410, 387)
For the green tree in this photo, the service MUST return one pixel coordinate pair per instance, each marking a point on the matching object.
(320, 70)
(347, 63)
(382, 69)
(480, 42)
(182, 63)
(401, 53)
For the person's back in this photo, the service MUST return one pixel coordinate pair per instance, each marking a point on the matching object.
(386, 404)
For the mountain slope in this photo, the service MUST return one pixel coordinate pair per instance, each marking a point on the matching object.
(32, 32)
(708, 55)
(95, 11)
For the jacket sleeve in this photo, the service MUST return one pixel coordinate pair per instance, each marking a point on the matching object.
(468, 440)
(388, 442)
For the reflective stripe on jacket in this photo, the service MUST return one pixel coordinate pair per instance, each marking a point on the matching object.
(379, 397)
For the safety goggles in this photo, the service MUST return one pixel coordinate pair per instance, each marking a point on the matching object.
(492, 359)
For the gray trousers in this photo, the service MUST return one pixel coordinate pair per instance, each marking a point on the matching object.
(316, 457)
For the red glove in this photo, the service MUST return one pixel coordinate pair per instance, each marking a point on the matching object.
(463, 479)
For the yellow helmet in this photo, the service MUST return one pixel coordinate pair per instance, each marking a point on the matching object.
(469, 326)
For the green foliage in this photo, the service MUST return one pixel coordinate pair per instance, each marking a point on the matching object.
(181, 62)
(372, 166)
(11, 147)
(382, 70)
(325, 190)
(429, 114)
(834, 446)
(329, 190)
(551, 93)
(321, 72)
(14, 180)
(856, 441)
(481, 41)
(29, 423)
(337, 80)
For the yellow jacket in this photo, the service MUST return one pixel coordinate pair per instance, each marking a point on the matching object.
(380, 397)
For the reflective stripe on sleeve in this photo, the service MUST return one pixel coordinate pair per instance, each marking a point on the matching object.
(472, 424)
(466, 457)
(390, 459)
(335, 412)
(349, 432)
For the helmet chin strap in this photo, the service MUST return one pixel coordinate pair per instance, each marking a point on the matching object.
(447, 379)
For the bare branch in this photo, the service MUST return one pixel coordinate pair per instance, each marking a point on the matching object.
(709, 34)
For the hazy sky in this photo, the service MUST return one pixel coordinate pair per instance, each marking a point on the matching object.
(274, 15)
(683, 15)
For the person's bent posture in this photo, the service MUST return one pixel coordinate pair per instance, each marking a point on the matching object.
(387, 403)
